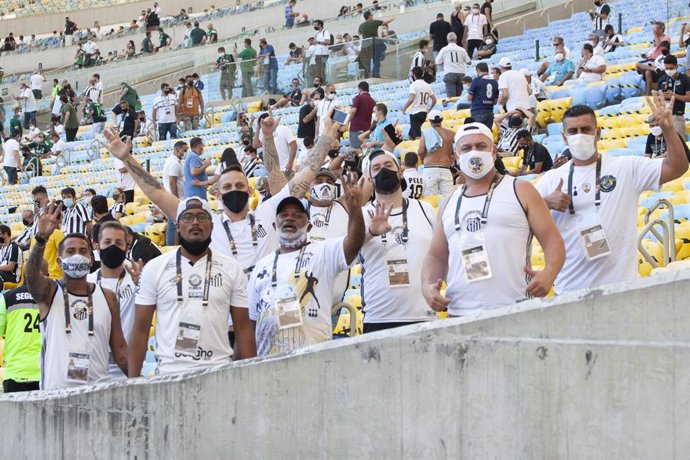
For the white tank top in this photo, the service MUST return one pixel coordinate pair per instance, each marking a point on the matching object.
(58, 345)
(508, 244)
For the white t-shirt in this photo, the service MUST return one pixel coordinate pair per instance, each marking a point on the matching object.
(30, 101)
(321, 36)
(382, 302)
(173, 168)
(475, 26)
(58, 147)
(422, 96)
(124, 179)
(323, 107)
(124, 289)
(593, 62)
(318, 265)
(516, 83)
(165, 108)
(453, 58)
(227, 287)
(282, 137)
(415, 183)
(37, 81)
(9, 147)
(622, 181)
(89, 47)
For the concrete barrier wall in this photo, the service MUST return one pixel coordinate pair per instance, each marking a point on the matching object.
(601, 374)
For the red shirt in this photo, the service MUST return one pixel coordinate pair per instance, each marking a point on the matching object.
(365, 107)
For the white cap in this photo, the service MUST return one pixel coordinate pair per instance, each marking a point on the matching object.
(526, 72)
(505, 62)
(192, 203)
(435, 115)
(473, 128)
(367, 160)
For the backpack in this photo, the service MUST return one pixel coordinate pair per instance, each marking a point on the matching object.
(98, 115)
(190, 102)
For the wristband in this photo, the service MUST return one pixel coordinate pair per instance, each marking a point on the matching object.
(372, 233)
(40, 241)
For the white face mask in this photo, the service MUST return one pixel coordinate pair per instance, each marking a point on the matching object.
(671, 72)
(581, 146)
(475, 10)
(323, 192)
(76, 266)
(476, 164)
(330, 96)
(656, 130)
(559, 57)
(488, 41)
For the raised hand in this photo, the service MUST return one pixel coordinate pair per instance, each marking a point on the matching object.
(557, 200)
(379, 219)
(134, 269)
(49, 221)
(662, 110)
(269, 124)
(352, 190)
(120, 150)
(433, 296)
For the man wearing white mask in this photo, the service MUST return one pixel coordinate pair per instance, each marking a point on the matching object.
(324, 107)
(477, 27)
(483, 236)
(594, 198)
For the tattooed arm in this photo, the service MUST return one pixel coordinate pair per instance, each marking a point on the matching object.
(41, 288)
(276, 178)
(148, 184)
(300, 184)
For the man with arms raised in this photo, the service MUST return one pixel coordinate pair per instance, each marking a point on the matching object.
(594, 198)
(483, 236)
(84, 327)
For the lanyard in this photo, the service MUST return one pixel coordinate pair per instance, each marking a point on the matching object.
(298, 264)
(231, 240)
(597, 193)
(527, 159)
(405, 226)
(328, 213)
(68, 317)
(119, 282)
(207, 280)
(487, 202)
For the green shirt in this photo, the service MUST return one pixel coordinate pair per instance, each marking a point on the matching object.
(132, 98)
(147, 46)
(73, 121)
(15, 124)
(212, 35)
(370, 29)
(164, 39)
(197, 35)
(19, 317)
(248, 56)
(227, 66)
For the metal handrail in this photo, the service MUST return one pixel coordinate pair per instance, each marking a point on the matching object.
(667, 237)
(645, 254)
(353, 315)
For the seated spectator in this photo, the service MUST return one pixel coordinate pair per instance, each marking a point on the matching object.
(558, 46)
(344, 11)
(293, 98)
(612, 40)
(536, 159)
(463, 101)
(593, 39)
(487, 49)
(559, 70)
(661, 42)
(654, 69)
(592, 66)
(509, 124)
(295, 54)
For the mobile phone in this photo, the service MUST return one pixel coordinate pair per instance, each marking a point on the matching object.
(339, 116)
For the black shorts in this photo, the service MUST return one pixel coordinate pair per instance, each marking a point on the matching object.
(373, 327)
(11, 386)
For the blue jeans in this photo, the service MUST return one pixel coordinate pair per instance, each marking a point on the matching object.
(28, 118)
(11, 174)
(165, 128)
(170, 233)
(271, 77)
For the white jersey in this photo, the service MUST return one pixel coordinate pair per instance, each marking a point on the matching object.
(453, 58)
(415, 183)
(622, 181)
(226, 288)
(508, 240)
(282, 137)
(62, 352)
(422, 96)
(165, 108)
(383, 300)
(242, 233)
(323, 108)
(173, 168)
(516, 84)
(124, 289)
(306, 277)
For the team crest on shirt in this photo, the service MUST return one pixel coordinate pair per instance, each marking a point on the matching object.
(472, 221)
(607, 183)
(217, 280)
(586, 187)
(397, 233)
(194, 281)
(319, 220)
(81, 311)
(261, 231)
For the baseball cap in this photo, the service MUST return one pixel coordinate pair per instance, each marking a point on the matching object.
(435, 116)
(473, 128)
(366, 161)
(505, 62)
(328, 173)
(192, 203)
(291, 200)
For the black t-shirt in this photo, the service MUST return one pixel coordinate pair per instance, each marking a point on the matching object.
(457, 27)
(439, 31)
(295, 95)
(655, 146)
(309, 128)
(538, 154)
(128, 122)
(486, 6)
(680, 85)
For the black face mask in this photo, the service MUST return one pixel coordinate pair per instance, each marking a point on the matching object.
(26, 222)
(235, 201)
(387, 181)
(2, 240)
(195, 248)
(112, 256)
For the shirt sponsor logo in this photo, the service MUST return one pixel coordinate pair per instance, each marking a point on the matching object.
(607, 183)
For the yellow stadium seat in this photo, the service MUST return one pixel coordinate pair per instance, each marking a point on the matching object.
(355, 300)
(433, 200)
(165, 249)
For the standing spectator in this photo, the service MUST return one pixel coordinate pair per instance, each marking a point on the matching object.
(28, 102)
(477, 28)
(285, 143)
(513, 85)
(70, 28)
(12, 163)
(677, 84)
(37, 80)
(330, 102)
(360, 114)
(226, 64)
(195, 178)
(191, 105)
(487, 10)
(306, 126)
(75, 218)
(16, 122)
(129, 122)
(322, 41)
(413, 178)
(197, 36)
(248, 57)
(198, 84)
(457, 22)
(125, 183)
(290, 14)
(436, 151)
(592, 66)
(655, 146)
(421, 99)
(439, 30)
(92, 92)
(369, 31)
(600, 16)
(130, 94)
(164, 113)
(453, 58)
(173, 182)
(146, 44)
(70, 120)
(212, 34)
(419, 58)
(270, 63)
(11, 258)
(537, 87)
